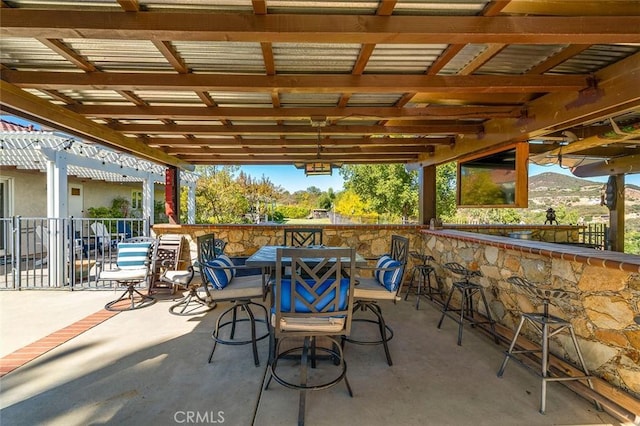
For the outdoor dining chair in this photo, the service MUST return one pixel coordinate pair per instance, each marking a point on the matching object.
(315, 301)
(302, 237)
(223, 284)
(135, 266)
(385, 284)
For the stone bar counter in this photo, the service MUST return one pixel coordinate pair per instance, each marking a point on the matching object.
(606, 285)
(604, 309)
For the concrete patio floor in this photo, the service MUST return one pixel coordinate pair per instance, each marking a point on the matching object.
(150, 367)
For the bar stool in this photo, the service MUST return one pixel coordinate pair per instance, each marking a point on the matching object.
(421, 273)
(467, 290)
(548, 326)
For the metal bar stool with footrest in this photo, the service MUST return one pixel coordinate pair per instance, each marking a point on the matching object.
(548, 326)
(384, 285)
(225, 285)
(315, 302)
(467, 290)
(421, 278)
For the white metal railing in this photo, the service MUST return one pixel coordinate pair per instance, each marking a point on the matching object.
(52, 253)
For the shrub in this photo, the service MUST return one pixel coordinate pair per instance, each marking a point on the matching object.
(293, 212)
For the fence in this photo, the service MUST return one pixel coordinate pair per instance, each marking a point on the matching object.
(55, 253)
(596, 235)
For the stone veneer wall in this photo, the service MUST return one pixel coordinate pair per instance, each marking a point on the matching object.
(244, 240)
(548, 233)
(602, 309)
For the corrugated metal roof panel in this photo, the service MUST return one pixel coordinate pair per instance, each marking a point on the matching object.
(309, 99)
(403, 58)
(121, 55)
(315, 57)
(374, 99)
(237, 57)
(61, 4)
(595, 58)
(519, 58)
(23, 53)
(358, 7)
(94, 96)
(219, 6)
(240, 98)
(439, 7)
(165, 97)
(466, 55)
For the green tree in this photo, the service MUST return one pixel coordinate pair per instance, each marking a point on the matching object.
(387, 188)
(446, 191)
(348, 203)
(326, 199)
(219, 197)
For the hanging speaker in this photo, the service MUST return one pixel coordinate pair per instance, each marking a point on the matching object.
(610, 193)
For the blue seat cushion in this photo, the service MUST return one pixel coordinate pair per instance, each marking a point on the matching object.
(219, 278)
(390, 279)
(133, 255)
(303, 293)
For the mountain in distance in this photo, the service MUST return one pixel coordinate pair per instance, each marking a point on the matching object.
(553, 189)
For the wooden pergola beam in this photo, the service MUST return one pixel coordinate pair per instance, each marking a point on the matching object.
(301, 28)
(32, 107)
(285, 150)
(615, 166)
(231, 142)
(432, 112)
(306, 130)
(212, 158)
(319, 83)
(618, 92)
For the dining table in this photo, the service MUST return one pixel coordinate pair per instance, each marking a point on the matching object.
(266, 256)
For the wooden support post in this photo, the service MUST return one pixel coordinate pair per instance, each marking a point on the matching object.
(616, 215)
(427, 194)
(172, 194)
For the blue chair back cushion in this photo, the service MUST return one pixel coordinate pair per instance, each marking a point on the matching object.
(389, 279)
(321, 304)
(133, 255)
(219, 278)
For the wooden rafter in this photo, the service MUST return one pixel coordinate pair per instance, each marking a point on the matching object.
(304, 130)
(484, 57)
(324, 141)
(619, 90)
(69, 54)
(558, 58)
(129, 5)
(39, 110)
(61, 97)
(326, 83)
(312, 150)
(189, 26)
(170, 53)
(209, 157)
(434, 112)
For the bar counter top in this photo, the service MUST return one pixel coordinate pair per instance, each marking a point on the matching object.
(601, 258)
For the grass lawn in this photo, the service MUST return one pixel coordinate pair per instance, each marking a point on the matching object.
(323, 221)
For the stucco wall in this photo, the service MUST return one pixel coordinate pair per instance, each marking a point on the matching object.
(30, 193)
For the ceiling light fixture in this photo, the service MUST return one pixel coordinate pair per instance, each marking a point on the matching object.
(318, 168)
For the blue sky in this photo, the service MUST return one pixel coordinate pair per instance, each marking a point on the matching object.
(292, 179)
